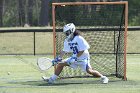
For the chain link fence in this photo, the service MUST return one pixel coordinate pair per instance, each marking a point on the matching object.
(133, 38)
(26, 41)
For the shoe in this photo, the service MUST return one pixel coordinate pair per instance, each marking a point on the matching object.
(104, 80)
(48, 80)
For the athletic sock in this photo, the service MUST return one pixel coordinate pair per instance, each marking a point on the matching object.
(53, 77)
(102, 76)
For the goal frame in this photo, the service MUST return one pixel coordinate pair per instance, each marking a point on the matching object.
(125, 3)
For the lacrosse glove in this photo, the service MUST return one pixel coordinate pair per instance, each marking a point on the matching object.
(56, 60)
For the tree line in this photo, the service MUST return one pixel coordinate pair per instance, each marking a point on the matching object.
(38, 12)
(21, 12)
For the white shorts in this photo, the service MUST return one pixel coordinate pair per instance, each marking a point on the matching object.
(83, 64)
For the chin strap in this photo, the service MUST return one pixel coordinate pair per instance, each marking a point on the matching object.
(70, 37)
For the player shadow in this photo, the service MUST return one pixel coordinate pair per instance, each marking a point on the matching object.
(64, 82)
(59, 83)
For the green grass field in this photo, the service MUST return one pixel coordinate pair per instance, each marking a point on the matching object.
(20, 77)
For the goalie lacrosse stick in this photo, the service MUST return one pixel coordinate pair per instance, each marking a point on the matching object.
(45, 63)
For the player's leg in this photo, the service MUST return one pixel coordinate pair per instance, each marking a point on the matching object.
(93, 72)
(85, 66)
(58, 70)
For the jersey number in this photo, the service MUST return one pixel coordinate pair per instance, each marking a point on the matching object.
(75, 50)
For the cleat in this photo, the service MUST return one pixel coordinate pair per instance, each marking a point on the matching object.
(104, 80)
(48, 80)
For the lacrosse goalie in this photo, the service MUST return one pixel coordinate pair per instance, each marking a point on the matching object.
(78, 46)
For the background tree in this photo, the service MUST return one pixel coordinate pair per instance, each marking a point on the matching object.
(21, 12)
(30, 12)
(1, 13)
(38, 12)
(134, 12)
(44, 13)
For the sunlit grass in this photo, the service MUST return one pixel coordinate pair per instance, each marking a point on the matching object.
(23, 78)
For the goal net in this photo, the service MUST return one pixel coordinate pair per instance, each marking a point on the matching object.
(103, 25)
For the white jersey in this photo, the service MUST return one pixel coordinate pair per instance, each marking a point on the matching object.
(76, 45)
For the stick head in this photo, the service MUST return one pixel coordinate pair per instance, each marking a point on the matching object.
(44, 63)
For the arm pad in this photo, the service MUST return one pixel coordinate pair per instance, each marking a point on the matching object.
(71, 60)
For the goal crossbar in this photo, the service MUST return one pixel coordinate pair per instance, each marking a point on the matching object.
(88, 3)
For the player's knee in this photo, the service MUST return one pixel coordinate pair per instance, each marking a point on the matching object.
(89, 70)
(60, 65)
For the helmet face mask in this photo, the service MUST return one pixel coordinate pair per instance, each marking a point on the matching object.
(69, 29)
(67, 33)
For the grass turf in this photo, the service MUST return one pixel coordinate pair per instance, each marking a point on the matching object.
(19, 77)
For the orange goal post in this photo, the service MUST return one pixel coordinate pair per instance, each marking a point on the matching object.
(103, 25)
